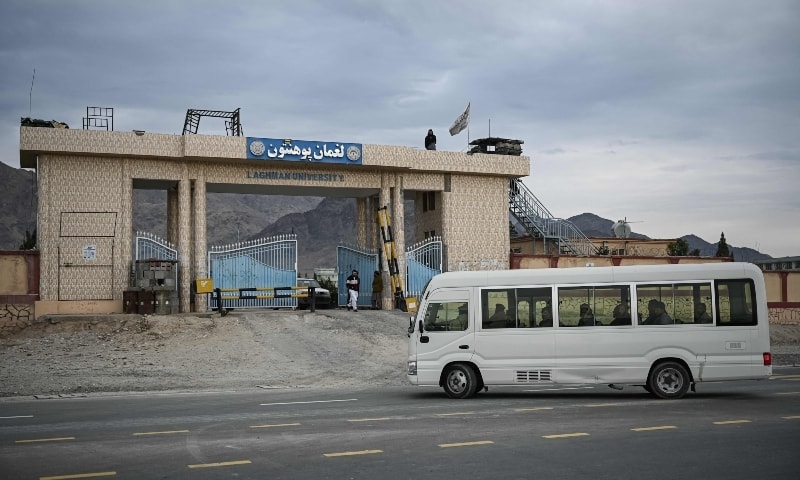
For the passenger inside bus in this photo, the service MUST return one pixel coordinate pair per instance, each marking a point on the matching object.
(547, 317)
(498, 320)
(657, 314)
(461, 321)
(700, 313)
(587, 316)
(622, 315)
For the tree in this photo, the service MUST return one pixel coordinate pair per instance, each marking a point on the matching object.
(695, 253)
(29, 243)
(722, 247)
(678, 248)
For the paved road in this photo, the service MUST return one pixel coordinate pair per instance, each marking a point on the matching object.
(737, 430)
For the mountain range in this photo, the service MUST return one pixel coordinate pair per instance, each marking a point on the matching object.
(319, 223)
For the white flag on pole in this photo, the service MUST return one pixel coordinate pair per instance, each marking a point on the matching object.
(461, 122)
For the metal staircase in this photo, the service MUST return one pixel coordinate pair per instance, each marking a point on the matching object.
(527, 213)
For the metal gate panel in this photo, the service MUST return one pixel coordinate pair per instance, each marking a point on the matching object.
(264, 263)
(423, 261)
(365, 260)
(148, 246)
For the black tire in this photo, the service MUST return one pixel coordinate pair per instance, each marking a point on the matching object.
(668, 380)
(460, 381)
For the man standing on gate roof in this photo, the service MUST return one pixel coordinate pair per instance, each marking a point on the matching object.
(352, 291)
(377, 290)
(430, 140)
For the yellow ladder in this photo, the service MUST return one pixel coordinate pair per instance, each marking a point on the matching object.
(391, 258)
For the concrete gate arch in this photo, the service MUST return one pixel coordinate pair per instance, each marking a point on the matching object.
(86, 179)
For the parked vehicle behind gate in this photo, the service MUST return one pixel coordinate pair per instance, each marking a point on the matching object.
(662, 327)
(323, 295)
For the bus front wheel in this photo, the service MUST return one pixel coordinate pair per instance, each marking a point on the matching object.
(460, 381)
(668, 380)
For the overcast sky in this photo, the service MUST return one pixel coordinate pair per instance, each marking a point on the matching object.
(681, 115)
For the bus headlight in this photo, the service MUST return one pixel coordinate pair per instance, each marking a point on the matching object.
(412, 367)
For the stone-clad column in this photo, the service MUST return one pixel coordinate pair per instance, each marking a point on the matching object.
(200, 255)
(361, 222)
(184, 240)
(398, 227)
(172, 215)
(46, 231)
(124, 262)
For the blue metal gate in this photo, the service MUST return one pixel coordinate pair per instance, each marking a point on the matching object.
(423, 261)
(365, 260)
(267, 262)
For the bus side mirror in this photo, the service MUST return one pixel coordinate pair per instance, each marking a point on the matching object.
(411, 325)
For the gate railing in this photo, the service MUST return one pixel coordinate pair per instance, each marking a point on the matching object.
(147, 246)
(423, 261)
(266, 262)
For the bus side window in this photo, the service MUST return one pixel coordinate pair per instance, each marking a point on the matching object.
(735, 303)
(495, 308)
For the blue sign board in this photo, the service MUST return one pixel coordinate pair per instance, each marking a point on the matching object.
(303, 151)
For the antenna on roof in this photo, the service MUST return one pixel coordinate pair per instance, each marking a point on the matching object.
(30, 95)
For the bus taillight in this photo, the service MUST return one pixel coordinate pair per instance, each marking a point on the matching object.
(767, 359)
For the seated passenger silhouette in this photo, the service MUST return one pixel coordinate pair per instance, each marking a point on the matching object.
(587, 316)
(657, 314)
(498, 320)
(622, 315)
(700, 314)
(547, 317)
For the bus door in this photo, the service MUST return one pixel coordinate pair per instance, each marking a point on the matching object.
(515, 341)
(447, 333)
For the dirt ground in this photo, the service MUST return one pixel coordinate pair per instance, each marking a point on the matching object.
(65, 355)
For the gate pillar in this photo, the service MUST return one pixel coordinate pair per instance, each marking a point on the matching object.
(184, 237)
(200, 255)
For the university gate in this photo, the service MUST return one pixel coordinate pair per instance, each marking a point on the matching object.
(267, 264)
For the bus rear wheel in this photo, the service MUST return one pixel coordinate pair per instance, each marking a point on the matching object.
(460, 381)
(668, 380)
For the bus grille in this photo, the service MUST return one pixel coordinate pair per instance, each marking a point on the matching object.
(534, 376)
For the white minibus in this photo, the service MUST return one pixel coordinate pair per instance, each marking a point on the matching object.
(662, 327)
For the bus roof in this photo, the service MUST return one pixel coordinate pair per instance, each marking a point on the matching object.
(583, 275)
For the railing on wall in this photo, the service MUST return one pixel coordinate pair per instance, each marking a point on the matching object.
(147, 246)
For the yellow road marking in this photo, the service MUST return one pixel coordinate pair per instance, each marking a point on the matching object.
(602, 404)
(168, 432)
(532, 409)
(647, 429)
(566, 435)
(793, 417)
(59, 439)
(220, 464)
(347, 454)
(80, 475)
(276, 425)
(454, 414)
(369, 419)
(466, 444)
(731, 422)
